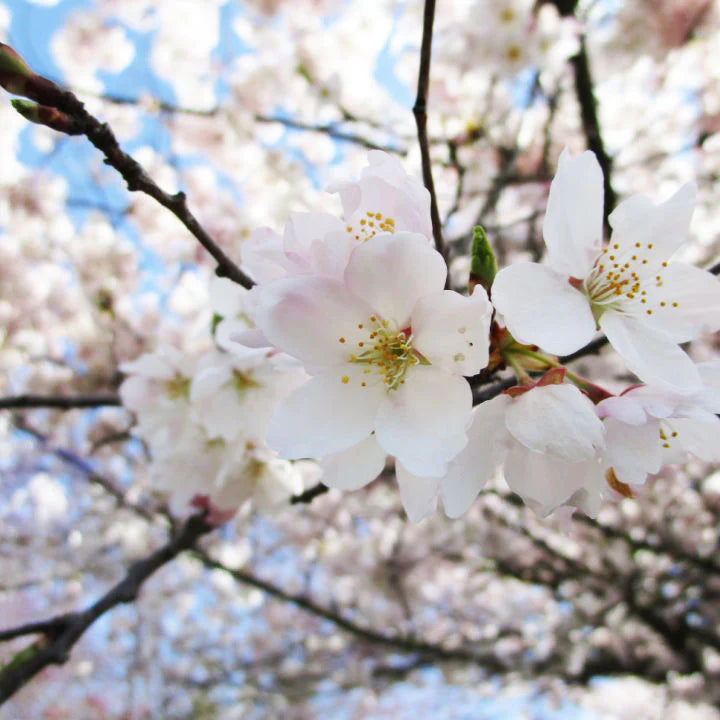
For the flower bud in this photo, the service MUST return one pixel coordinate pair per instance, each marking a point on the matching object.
(43, 115)
(483, 266)
(17, 78)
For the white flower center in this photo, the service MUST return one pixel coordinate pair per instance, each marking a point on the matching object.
(619, 280)
(386, 353)
(370, 225)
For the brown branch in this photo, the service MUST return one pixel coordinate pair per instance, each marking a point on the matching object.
(60, 634)
(420, 113)
(137, 180)
(309, 495)
(59, 402)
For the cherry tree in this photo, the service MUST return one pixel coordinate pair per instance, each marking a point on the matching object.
(359, 359)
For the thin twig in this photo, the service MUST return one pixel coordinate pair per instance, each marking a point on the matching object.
(59, 402)
(103, 138)
(420, 113)
(309, 495)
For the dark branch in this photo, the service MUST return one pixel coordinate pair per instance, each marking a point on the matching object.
(60, 634)
(59, 402)
(103, 138)
(420, 112)
(589, 107)
(309, 495)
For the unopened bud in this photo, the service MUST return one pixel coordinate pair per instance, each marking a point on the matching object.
(43, 115)
(14, 71)
(17, 78)
(483, 266)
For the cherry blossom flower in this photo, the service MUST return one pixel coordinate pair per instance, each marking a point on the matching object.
(546, 438)
(385, 200)
(649, 427)
(386, 349)
(643, 303)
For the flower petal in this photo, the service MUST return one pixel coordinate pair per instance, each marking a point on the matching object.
(423, 422)
(573, 221)
(633, 451)
(652, 356)
(392, 272)
(657, 231)
(355, 467)
(488, 442)
(324, 416)
(418, 494)
(545, 482)
(700, 438)
(541, 308)
(451, 330)
(558, 420)
(304, 228)
(313, 318)
(687, 302)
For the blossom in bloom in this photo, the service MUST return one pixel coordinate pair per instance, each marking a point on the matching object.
(386, 348)
(546, 438)
(385, 200)
(649, 427)
(204, 420)
(644, 303)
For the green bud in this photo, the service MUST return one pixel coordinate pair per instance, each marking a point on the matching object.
(43, 115)
(483, 266)
(14, 71)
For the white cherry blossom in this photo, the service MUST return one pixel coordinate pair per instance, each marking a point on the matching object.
(629, 289)
(546, 438)
(387, 348)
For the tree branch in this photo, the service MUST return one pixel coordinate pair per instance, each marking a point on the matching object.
(59, 402)
(420, 113)
(137, 180)
(60, 634)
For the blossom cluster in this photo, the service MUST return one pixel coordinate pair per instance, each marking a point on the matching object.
(350, 349)
(203, 416)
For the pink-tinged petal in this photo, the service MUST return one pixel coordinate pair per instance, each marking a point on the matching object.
(324, 416)
(452, 330)
(423, 423)
(541, 308)
(392, 272)
(653, 357)
(573, 221)
(545, 482)
(633, 451)
(263, 256)
(330, 255)
(686, 303)
(558, 420)
(386, 188)
(304, 228)
(355, 467)
(315, 319)
(654, 231)
(418, 494)
(488, 442)
(624, 408)
(230, 334)
(700, 438)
